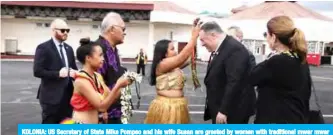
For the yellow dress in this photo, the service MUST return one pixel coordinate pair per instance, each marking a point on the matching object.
(167, 110)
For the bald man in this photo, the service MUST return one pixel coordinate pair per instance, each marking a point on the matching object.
(112, 34)
(237, 33)
(54, 64)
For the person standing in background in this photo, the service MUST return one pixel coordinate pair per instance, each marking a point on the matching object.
(54, 64)
(141, 61)
(237, 33)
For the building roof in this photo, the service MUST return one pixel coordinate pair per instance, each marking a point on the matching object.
(165, 6)
(76, 4)
(270, 9)
(238, 9)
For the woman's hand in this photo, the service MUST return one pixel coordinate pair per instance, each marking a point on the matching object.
(123, 82)
(105, 117)
(196, 28)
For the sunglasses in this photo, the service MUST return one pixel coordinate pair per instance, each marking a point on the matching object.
(64, 30)
(265, 34)
(122, 28)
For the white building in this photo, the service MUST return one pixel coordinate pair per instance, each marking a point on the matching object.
(26, 24)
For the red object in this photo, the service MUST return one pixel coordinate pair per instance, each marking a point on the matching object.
(79, 102)
(181, 46)
(314, 59)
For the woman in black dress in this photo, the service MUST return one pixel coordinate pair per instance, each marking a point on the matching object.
(283, 80)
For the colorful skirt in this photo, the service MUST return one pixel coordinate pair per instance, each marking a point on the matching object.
(164, 110)
(70, 121)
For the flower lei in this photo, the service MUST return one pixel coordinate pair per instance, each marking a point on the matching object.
(126, 96)
(194, 69)
(291, 54)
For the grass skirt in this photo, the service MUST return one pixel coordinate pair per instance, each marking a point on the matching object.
(164, 110)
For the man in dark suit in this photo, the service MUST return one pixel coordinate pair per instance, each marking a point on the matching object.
(54, 64)
(229, 99)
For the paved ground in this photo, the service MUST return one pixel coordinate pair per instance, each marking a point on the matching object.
(19, 87)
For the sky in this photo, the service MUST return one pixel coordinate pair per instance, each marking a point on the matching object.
(322, 7)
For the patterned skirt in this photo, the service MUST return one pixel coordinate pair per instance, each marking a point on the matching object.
(70, 121)
(164, 110)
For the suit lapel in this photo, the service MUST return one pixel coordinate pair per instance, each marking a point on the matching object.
(55, 50)
(218, 57)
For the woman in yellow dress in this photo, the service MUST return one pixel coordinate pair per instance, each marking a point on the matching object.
(170, 106)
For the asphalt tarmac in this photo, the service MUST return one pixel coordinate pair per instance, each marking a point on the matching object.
(19, 90)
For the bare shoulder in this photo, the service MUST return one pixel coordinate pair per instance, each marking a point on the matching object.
(159, 66)
(79, 82)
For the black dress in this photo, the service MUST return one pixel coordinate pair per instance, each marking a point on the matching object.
(284, 89)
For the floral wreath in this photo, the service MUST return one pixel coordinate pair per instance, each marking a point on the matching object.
(126, 96)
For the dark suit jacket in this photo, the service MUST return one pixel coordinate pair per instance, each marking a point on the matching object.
(226, 82)
(252, 59)
(47, 64)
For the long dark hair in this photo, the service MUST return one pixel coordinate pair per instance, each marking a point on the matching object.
(161, 49)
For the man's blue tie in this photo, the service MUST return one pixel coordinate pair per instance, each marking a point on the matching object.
(62, 55)
(63, 59)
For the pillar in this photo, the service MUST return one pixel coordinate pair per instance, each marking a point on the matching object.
(151, 41)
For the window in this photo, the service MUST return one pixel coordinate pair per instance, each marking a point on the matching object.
(247, 42)
(39, 24)
(42, 25)
(321, 48)
(47, 25)
(95, 26)
(311, 47)
(11, 46)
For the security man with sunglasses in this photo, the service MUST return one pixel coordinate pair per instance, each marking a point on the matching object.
(54, 64)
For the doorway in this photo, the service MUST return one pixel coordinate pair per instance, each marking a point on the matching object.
(181, 46)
